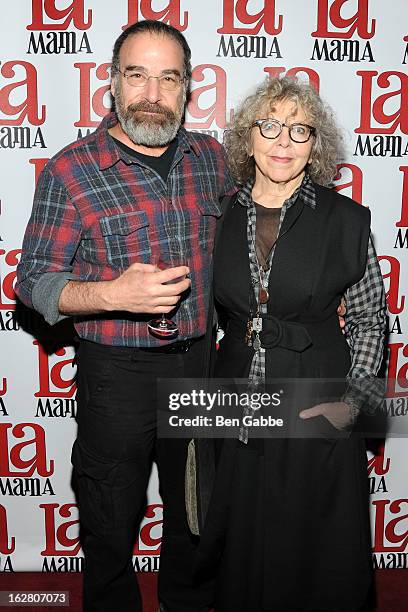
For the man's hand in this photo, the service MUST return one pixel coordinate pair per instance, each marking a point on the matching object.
(142, 288)
(339, 414)
(341, 312)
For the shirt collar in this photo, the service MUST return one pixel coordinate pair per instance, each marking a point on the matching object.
(110, 153)
(305, 191)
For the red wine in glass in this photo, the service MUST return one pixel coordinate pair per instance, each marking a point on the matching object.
(162, 327)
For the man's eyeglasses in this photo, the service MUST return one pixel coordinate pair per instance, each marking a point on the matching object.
(271, 128)
(169, 82)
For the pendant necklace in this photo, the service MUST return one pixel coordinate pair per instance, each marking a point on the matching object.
(263, 295)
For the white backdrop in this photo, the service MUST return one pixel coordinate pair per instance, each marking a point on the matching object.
(54, 81)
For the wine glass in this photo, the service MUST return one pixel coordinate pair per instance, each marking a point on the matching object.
(162, 327)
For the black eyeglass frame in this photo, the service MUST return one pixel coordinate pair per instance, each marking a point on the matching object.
(259, 123)
(125, 75)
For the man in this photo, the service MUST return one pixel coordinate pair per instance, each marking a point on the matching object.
(104, 208)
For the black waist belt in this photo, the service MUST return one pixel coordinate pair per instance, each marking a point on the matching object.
(181, 346)
(288, 335)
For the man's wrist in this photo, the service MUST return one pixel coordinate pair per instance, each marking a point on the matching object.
(87, 297)
(107, 295)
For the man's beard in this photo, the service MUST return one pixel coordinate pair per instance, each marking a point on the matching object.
(155, 130)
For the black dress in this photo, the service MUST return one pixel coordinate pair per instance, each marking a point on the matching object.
(288, 523)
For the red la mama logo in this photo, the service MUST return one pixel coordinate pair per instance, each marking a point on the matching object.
(56, 373)
(238, 20)
(215, 83)
(390, 538)
(391, 273)
(391, 277)
(7, 544)
(331, 22)
(353, 185)
(149, 539)
(389, 518)
(397, 384)
(62, 543)
(22, 85)
(401, 240)
(335, 31)
(57, 387)
(10, 318)
(55, 22)
(8, 278)
(46, 16)
(8, 265)
(39, 165)
(147, 548)
(61, 530)
(94, 99)
(380, 92)
(23, 451)
(171, 13)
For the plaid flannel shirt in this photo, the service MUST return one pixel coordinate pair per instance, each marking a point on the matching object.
(97, 210)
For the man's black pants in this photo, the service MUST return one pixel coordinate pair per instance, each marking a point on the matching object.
(112, 459)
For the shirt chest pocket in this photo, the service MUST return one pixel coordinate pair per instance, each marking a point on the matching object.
(210, 211)
(126, 238)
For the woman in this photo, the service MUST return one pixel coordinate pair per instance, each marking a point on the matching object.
(288, 521)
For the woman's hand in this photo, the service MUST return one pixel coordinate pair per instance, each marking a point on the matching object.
(339, 414)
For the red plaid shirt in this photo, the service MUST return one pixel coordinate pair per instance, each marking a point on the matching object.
(97, 210)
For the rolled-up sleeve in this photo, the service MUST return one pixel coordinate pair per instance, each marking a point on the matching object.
(50, 242)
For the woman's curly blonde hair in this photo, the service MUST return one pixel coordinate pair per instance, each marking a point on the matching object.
(327, 149)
